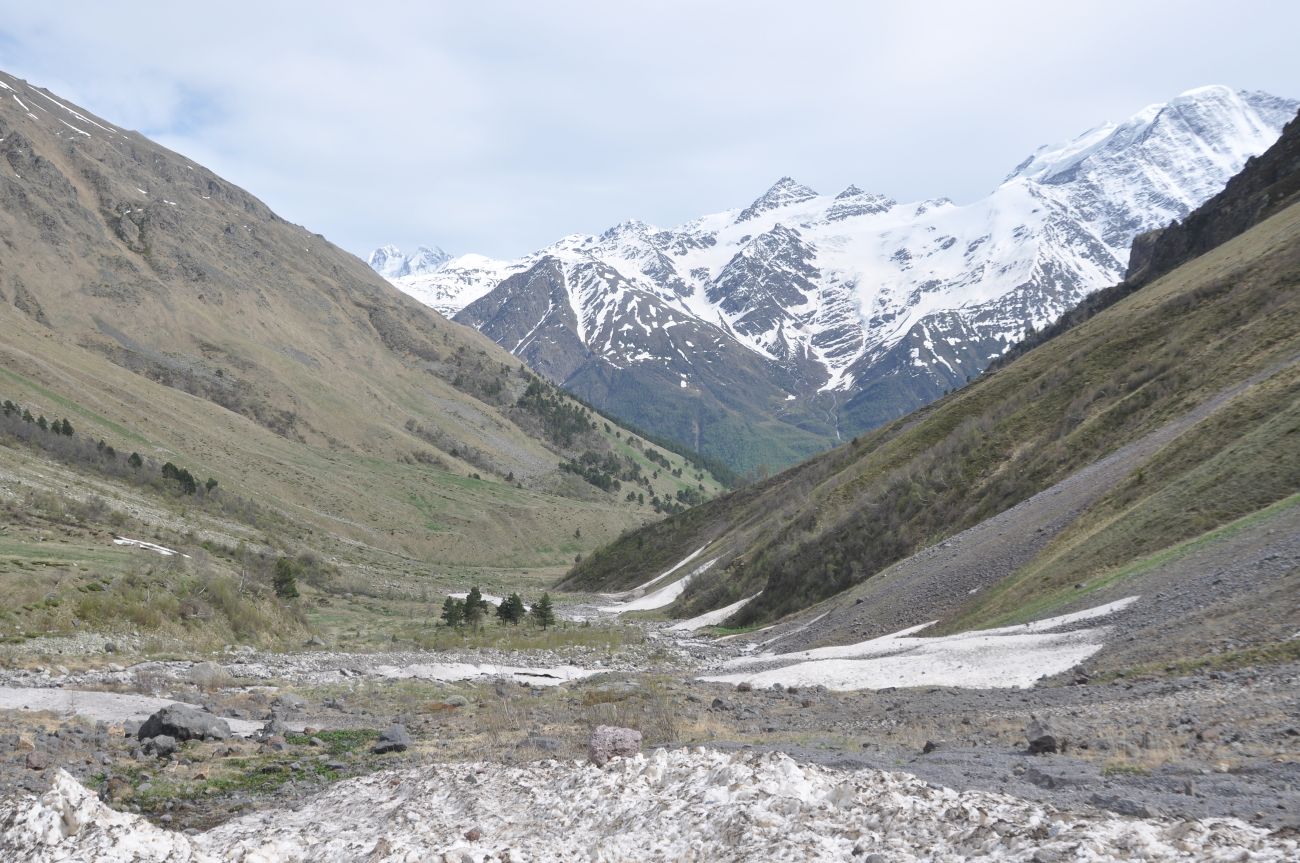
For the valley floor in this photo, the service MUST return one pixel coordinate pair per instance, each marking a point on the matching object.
(1168, 745)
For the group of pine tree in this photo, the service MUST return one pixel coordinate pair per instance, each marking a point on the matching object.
(474, 609)
(12, 412)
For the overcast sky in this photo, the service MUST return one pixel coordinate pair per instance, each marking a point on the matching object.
(499, 127)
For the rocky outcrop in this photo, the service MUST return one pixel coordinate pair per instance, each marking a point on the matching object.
(608, 742)
(182, 722)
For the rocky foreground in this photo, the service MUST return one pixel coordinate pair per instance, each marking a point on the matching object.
(683, 804)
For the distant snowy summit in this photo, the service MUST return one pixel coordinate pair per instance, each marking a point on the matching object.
(435, 278)
(390, 263)
(835, 313)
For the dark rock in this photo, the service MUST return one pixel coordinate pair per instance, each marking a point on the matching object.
(162, 745)
(273, 728)
(473, 834)
(719, 704)
(289, 701)
(1120, 805)
(395, 739)
(608, 741)
(184, 723)
(1041, 739)
(744, 686)
(929, 747)
(110, 647)
(37, 760)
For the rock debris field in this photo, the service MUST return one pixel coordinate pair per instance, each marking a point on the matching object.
(679, 805)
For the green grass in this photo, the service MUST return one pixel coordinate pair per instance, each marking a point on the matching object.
(345, 741)
(71, 406)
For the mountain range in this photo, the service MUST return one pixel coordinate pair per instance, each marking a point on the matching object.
(764, 333)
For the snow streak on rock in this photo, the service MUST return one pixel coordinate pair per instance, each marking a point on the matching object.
(673, 805)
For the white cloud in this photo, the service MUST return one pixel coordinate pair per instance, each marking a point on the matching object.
(498, 127)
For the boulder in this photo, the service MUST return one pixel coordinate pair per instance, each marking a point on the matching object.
(184, 723)
(289, 702)
(395, 739)
(1041, 739)
(37, 760)
(162, 746)
(608, 741)
(272, 728)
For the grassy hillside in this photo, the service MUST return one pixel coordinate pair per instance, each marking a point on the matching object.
(166, 312)
(1149, 358)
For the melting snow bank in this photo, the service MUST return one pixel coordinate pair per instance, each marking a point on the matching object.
(712, 618)
(661, 576)
(673, 805)
(446, 672)
(663, 596)
(1013, 656)
(147, 546)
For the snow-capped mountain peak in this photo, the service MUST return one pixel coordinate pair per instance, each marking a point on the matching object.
(782, 193)
(388, 261)
(855, 306)
(391, 263)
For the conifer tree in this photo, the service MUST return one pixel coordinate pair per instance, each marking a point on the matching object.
(135, 460)
(543, 614)
(285, 581)
(453, 612)
(474, 607)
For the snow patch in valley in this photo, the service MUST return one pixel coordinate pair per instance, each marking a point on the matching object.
(679, 804)
(712, 618)
(662, 597)
(1008, 657)
(147, 546)
(661, 576)
(448, 672)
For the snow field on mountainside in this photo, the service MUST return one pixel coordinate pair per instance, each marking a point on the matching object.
(662, 597)
(1010, 656)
